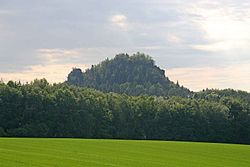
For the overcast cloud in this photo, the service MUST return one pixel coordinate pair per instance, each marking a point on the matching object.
(201, 43)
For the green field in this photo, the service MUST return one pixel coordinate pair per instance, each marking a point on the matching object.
(25, 152)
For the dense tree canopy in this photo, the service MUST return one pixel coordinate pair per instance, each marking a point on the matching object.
(149, 106)
(132, 75)
(39, 109)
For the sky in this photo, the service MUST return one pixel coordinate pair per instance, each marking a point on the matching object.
(200, 43)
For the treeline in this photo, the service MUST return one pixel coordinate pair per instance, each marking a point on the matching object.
(132, 75)
(39, 109)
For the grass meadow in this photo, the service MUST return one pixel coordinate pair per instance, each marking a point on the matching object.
(43, 152)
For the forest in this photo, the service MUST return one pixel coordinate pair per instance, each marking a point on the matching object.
(127, 97)
(132, 75)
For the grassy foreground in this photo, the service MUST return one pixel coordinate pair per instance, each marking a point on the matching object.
(25, 152)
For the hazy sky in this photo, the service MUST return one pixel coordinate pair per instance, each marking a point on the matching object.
(201, 43)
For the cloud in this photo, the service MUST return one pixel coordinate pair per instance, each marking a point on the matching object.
(56, 63)
(3, 14)
(54, 73)
(52, 56)
(120, 21)
(186, 34)
(226, 25)
(233, 76)
(150, 47)
(6, 12)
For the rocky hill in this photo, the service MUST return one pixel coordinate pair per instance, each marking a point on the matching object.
(132, 75)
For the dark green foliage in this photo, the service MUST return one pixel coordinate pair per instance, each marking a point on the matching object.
(76, 77)
(39, 109)
(132, 75)
(2, 132)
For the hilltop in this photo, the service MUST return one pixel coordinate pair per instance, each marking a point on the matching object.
(132, 75)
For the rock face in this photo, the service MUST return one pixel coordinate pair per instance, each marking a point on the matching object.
(132, 75)
(76, 77)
